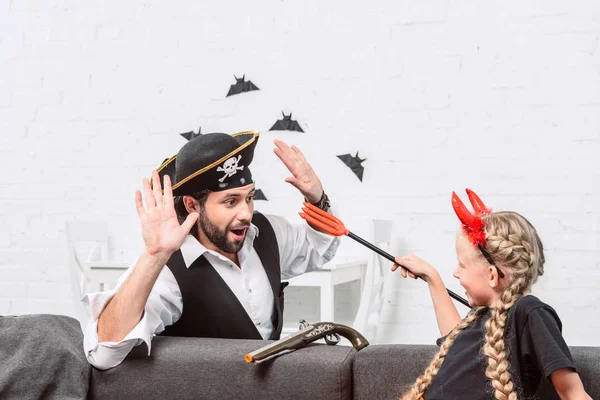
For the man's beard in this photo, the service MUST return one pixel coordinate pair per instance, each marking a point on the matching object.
(218, 236)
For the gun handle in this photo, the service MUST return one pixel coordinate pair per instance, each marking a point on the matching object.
(358, 341)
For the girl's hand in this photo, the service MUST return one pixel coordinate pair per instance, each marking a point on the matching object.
(413, 266)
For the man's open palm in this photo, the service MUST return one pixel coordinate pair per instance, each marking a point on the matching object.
(304, 177)
(161, 230)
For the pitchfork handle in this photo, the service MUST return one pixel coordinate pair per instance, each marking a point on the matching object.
(392, 259)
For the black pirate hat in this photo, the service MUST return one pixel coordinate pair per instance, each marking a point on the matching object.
(211, 162)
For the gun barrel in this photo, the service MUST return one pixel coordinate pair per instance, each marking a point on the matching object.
(290, 342)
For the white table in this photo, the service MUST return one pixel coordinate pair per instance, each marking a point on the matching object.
(332, 274)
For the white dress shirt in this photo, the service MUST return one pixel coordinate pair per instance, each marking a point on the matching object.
(301, 249)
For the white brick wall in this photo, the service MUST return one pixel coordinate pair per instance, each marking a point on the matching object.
(501, 97)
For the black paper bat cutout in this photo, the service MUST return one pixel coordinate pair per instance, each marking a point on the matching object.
(191, 135)
(286, 124)
(354, 163)
(259, 195)
(241, 86)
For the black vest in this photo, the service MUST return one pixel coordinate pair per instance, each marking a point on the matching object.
(210, 308)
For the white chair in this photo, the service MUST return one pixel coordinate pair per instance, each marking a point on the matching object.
(369, 310)
(87, 247)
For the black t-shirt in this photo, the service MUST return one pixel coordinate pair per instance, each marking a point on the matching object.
(536, 348)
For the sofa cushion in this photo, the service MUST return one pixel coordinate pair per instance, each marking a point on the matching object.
(41, 357)
(206, 368)
(387, 371)
(587, 360)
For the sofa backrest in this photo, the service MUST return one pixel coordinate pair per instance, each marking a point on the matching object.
(387, 371)
(203, 368)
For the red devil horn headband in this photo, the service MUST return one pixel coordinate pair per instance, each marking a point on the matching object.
(478, 205)
(472, 222)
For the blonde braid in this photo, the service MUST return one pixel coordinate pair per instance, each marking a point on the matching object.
(495, 345)
(515, 246)
(423, 381)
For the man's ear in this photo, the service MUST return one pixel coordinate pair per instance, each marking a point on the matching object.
(493, 278)
(191, 204)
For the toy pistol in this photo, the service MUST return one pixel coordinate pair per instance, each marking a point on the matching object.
(308, 334)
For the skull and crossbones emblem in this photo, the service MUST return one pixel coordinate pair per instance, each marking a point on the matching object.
(230, 167)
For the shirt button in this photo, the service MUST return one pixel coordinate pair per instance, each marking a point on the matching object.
(258, 323)
(249, 290)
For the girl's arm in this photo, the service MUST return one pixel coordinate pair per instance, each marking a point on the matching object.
(446, 313)
(568, 385)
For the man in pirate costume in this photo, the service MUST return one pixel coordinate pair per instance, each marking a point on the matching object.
(211, 266)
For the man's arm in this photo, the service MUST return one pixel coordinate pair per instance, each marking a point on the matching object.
(124, 311)
(162, 235)
(163, 308)
(568, 385)
(302, 248)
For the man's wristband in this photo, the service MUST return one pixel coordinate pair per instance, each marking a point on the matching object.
(323, 203)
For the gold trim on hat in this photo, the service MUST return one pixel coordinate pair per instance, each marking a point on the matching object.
(163, 166)
(167, 162)
(222, 159)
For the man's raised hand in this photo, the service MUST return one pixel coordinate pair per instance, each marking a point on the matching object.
(304, 177)
(161, 231)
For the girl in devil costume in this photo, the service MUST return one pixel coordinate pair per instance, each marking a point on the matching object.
(509, 346)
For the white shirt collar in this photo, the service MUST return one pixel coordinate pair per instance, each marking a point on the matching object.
(191, 248)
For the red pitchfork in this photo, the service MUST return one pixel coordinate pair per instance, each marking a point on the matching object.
(334, 226)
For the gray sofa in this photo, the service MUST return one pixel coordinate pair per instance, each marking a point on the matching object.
(45, 360)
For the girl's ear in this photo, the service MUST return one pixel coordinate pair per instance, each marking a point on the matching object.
(191, 204)
(493, 278)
